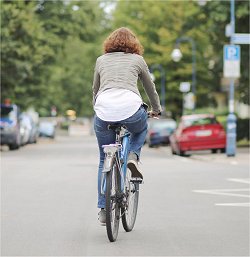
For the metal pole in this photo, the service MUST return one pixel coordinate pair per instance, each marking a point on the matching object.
(163, 89)
(231, 118)
(232, 11)
(163, 85)
(194, 71)
(231, 91)
(189, 39)
(183, 103)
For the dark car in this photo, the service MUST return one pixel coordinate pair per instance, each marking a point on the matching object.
(10, 126)
(198, 132)
(159, 131)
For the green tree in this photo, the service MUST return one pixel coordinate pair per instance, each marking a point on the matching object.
(218, 16)
(48, 48)
(24, 54)
(159, 23)
(48, 53)
(77, 25)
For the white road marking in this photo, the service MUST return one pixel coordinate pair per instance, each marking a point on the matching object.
(234, 162)
(230, 192)
(240, 180)
(234, 204)
(225, 192)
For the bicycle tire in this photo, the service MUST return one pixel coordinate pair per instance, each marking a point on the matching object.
(129, 212)
(112, 207)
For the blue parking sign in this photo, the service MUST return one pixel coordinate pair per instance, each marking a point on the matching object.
(231, 53)
(231, 66)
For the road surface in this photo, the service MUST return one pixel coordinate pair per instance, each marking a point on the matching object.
(189, 206)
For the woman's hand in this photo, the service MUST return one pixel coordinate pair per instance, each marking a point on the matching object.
(152, 114)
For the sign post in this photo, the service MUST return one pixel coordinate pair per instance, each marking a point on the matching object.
(240, 38)
(184, 88)
(231, 69)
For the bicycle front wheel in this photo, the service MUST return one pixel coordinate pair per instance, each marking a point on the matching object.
(129, 212)
(112, 206)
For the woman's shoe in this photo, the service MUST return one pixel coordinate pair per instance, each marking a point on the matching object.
(102, 217)
(133, 166)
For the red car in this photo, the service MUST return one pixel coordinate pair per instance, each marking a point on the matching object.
(198, 132)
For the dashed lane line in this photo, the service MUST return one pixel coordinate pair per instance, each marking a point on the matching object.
(226, 192)
(234, 204)
(240, 180)
(230, 192)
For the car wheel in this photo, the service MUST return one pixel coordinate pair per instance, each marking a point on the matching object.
(14, 146)
(223, 150)
(182, 153)
(214, 150)
(173, 151)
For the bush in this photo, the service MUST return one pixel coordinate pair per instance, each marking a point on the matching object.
(242, 129)
(64, 125)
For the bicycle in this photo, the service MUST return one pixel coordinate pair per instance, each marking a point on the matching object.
(120, 189)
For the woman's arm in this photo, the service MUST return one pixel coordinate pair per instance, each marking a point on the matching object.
(96, 83)
(149, 87)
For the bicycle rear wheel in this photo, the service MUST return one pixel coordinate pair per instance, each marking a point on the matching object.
(130, 210)
(112, 206)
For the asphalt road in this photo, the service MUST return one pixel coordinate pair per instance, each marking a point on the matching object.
(189, 206)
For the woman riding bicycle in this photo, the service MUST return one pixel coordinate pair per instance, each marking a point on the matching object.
(116, 98)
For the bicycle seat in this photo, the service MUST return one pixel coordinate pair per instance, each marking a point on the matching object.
(114, 126)
(117, 127)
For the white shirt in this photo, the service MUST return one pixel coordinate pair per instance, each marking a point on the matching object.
(117, 104)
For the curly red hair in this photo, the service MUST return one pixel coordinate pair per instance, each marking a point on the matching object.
(123, 40)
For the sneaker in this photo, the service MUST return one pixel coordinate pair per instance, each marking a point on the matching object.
(102, 217)
(133, 166)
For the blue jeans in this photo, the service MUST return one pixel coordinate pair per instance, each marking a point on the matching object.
(136, 125)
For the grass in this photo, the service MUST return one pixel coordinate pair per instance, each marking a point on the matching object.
(243, 143)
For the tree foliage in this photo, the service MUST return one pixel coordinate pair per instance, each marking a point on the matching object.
(49, 48)
(48, 53)
(160, 23)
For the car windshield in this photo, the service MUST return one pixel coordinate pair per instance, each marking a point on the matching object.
(199, 121)
(7, 112)
(164, 125)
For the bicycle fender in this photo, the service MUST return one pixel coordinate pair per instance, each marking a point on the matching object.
(107, 163)
(109, 151)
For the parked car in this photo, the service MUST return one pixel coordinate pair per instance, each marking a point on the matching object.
(25, 128)
(47, 129)
(10, 126)
(35, 125)
(159, 131)
(34, 134)
(198, 132)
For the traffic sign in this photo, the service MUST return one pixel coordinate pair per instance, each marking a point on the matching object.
(240, 38)
(189, 101)
(231, 68)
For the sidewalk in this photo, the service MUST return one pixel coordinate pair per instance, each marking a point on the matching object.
(242, 156)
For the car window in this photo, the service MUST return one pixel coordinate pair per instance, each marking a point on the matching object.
(164, 125)
(7, 112)
(199, 121)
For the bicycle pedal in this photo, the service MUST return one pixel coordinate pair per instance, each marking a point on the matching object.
(136, 180)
